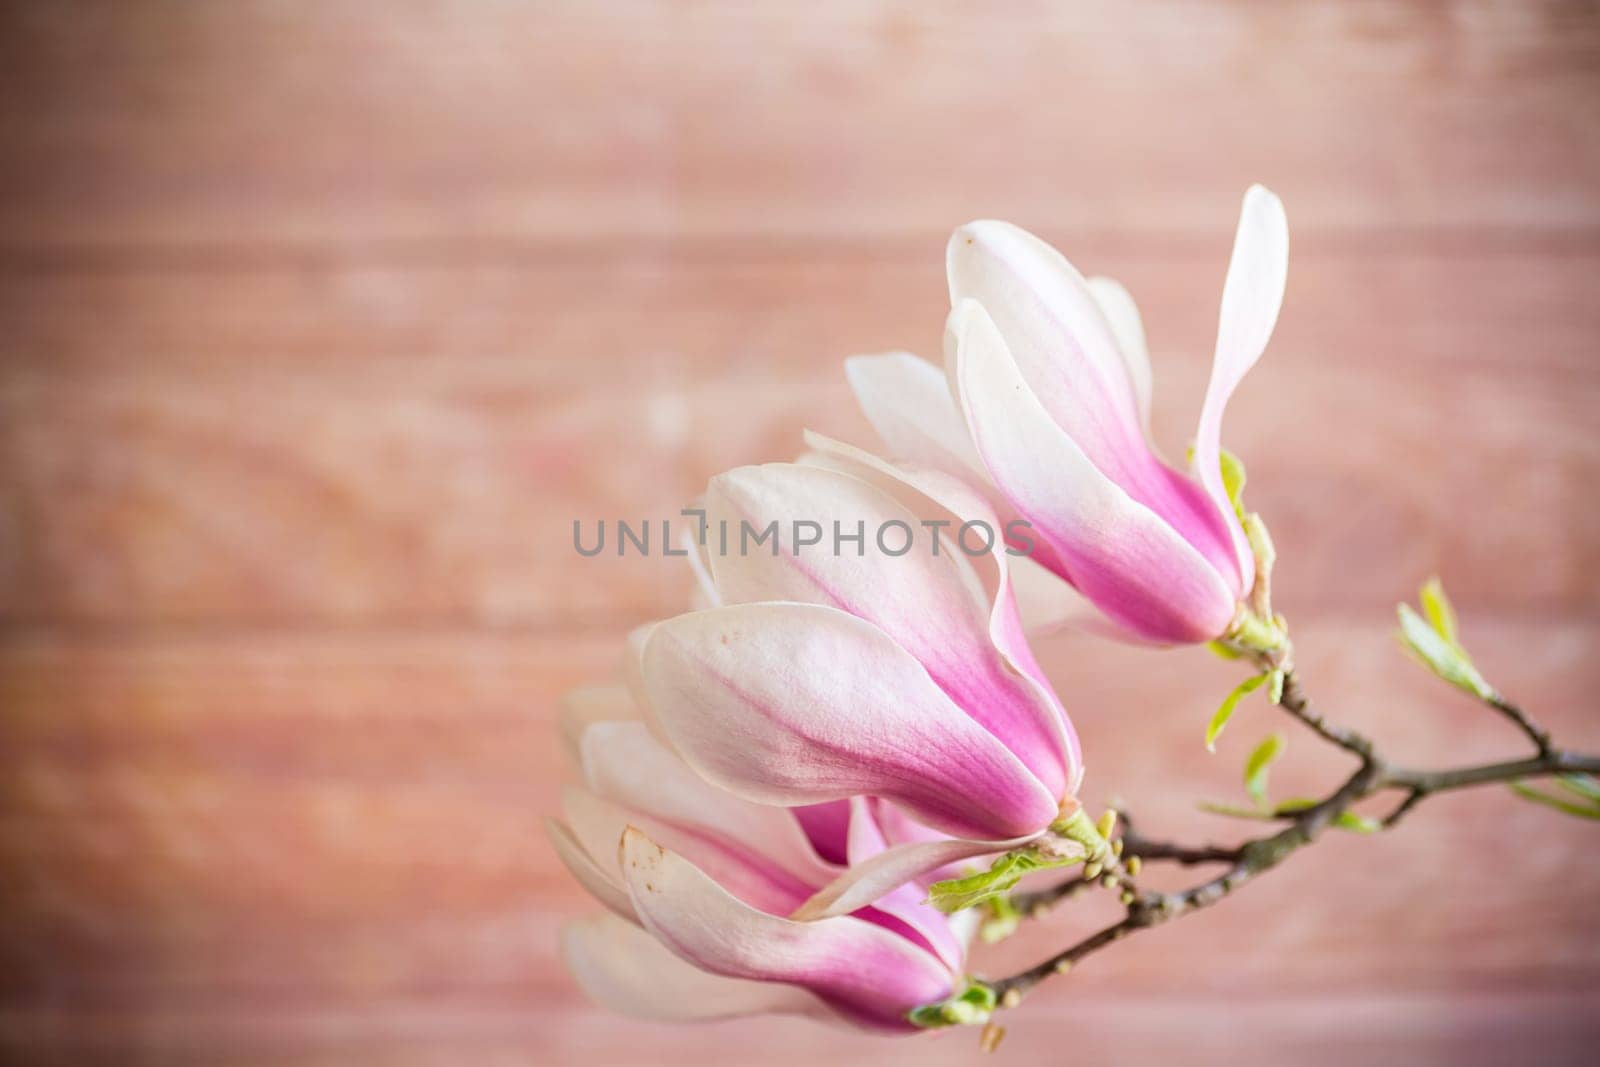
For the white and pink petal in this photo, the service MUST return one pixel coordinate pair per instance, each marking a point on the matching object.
(788, 703)
(1127, 559)
(863, 970)
(621, 967)
(932, 603)
(1251, 299)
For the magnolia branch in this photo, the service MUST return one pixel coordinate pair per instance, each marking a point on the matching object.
(1247, 861)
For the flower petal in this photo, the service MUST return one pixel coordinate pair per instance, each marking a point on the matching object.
(1251, 299)
(628, 765)
(827, 825)
(603, 882)
(586, 705)
(857, 967)
(936, 496)
(1059, 337)
(1117, 552)
(1068, 354)
(929, 600)
(632, 677)
(704, 595)
(1122, 315)
(597, 825)
(901, 829)
(904, 907)
(798, 703)
(1047, 605)
(862, 883)
(621, 967)
(907, 400)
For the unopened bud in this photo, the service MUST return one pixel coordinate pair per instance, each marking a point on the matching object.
(1063, 967)
(1116, 847)
(1011, 998)
(1107, 823)
(1133, 865)
(1092, 870)
(1127, 897)
(1108, 880)
(990, 1038)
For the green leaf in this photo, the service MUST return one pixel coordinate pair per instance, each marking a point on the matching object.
(1231, 701)
(1436, 606)
(954, 894)
(971, 1006)
(1258, 764)
(1002, 921)
(1234, 811)
(1233, 479)
(1584, 785)
(1445, 659)
(1358, 824)
(1275, 691)
(1583, 811)
(1345, 820)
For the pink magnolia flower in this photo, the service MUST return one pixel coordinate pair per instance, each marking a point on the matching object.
(824, 674)
(1046, 396)
(702, 885)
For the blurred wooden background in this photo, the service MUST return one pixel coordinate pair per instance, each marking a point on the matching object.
(321, 323)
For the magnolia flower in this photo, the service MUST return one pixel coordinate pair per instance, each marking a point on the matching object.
(824, 674)
(701, 886)
(1046, 396)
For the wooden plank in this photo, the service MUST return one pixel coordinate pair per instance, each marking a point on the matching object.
(754, 313)
(242, 127)
(275, 842)
(1202, 1029)
(354, 465)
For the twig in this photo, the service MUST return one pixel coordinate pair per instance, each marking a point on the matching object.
(1295, 703)
(1135, 844)
(1255, 857)
(1009, 991)
(1524, 722)
(1036, 903)
(1413, 798)
(1554, 761)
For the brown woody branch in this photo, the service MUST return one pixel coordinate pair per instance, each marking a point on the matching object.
(1255, 857)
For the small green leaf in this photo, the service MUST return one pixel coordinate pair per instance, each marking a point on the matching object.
(1358, 824)
(1231, 701)
(1583, 811)
(1345, 820)
(1233, 479)
(1275, 691)
(1436, 606)
(1445, 659)
(954, 894)
(1002, 920)
(971, 1006)
(1257, 766)
(1584, 785)
(1234, 811)
(1223, 651)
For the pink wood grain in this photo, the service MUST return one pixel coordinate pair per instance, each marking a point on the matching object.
(322, 323)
